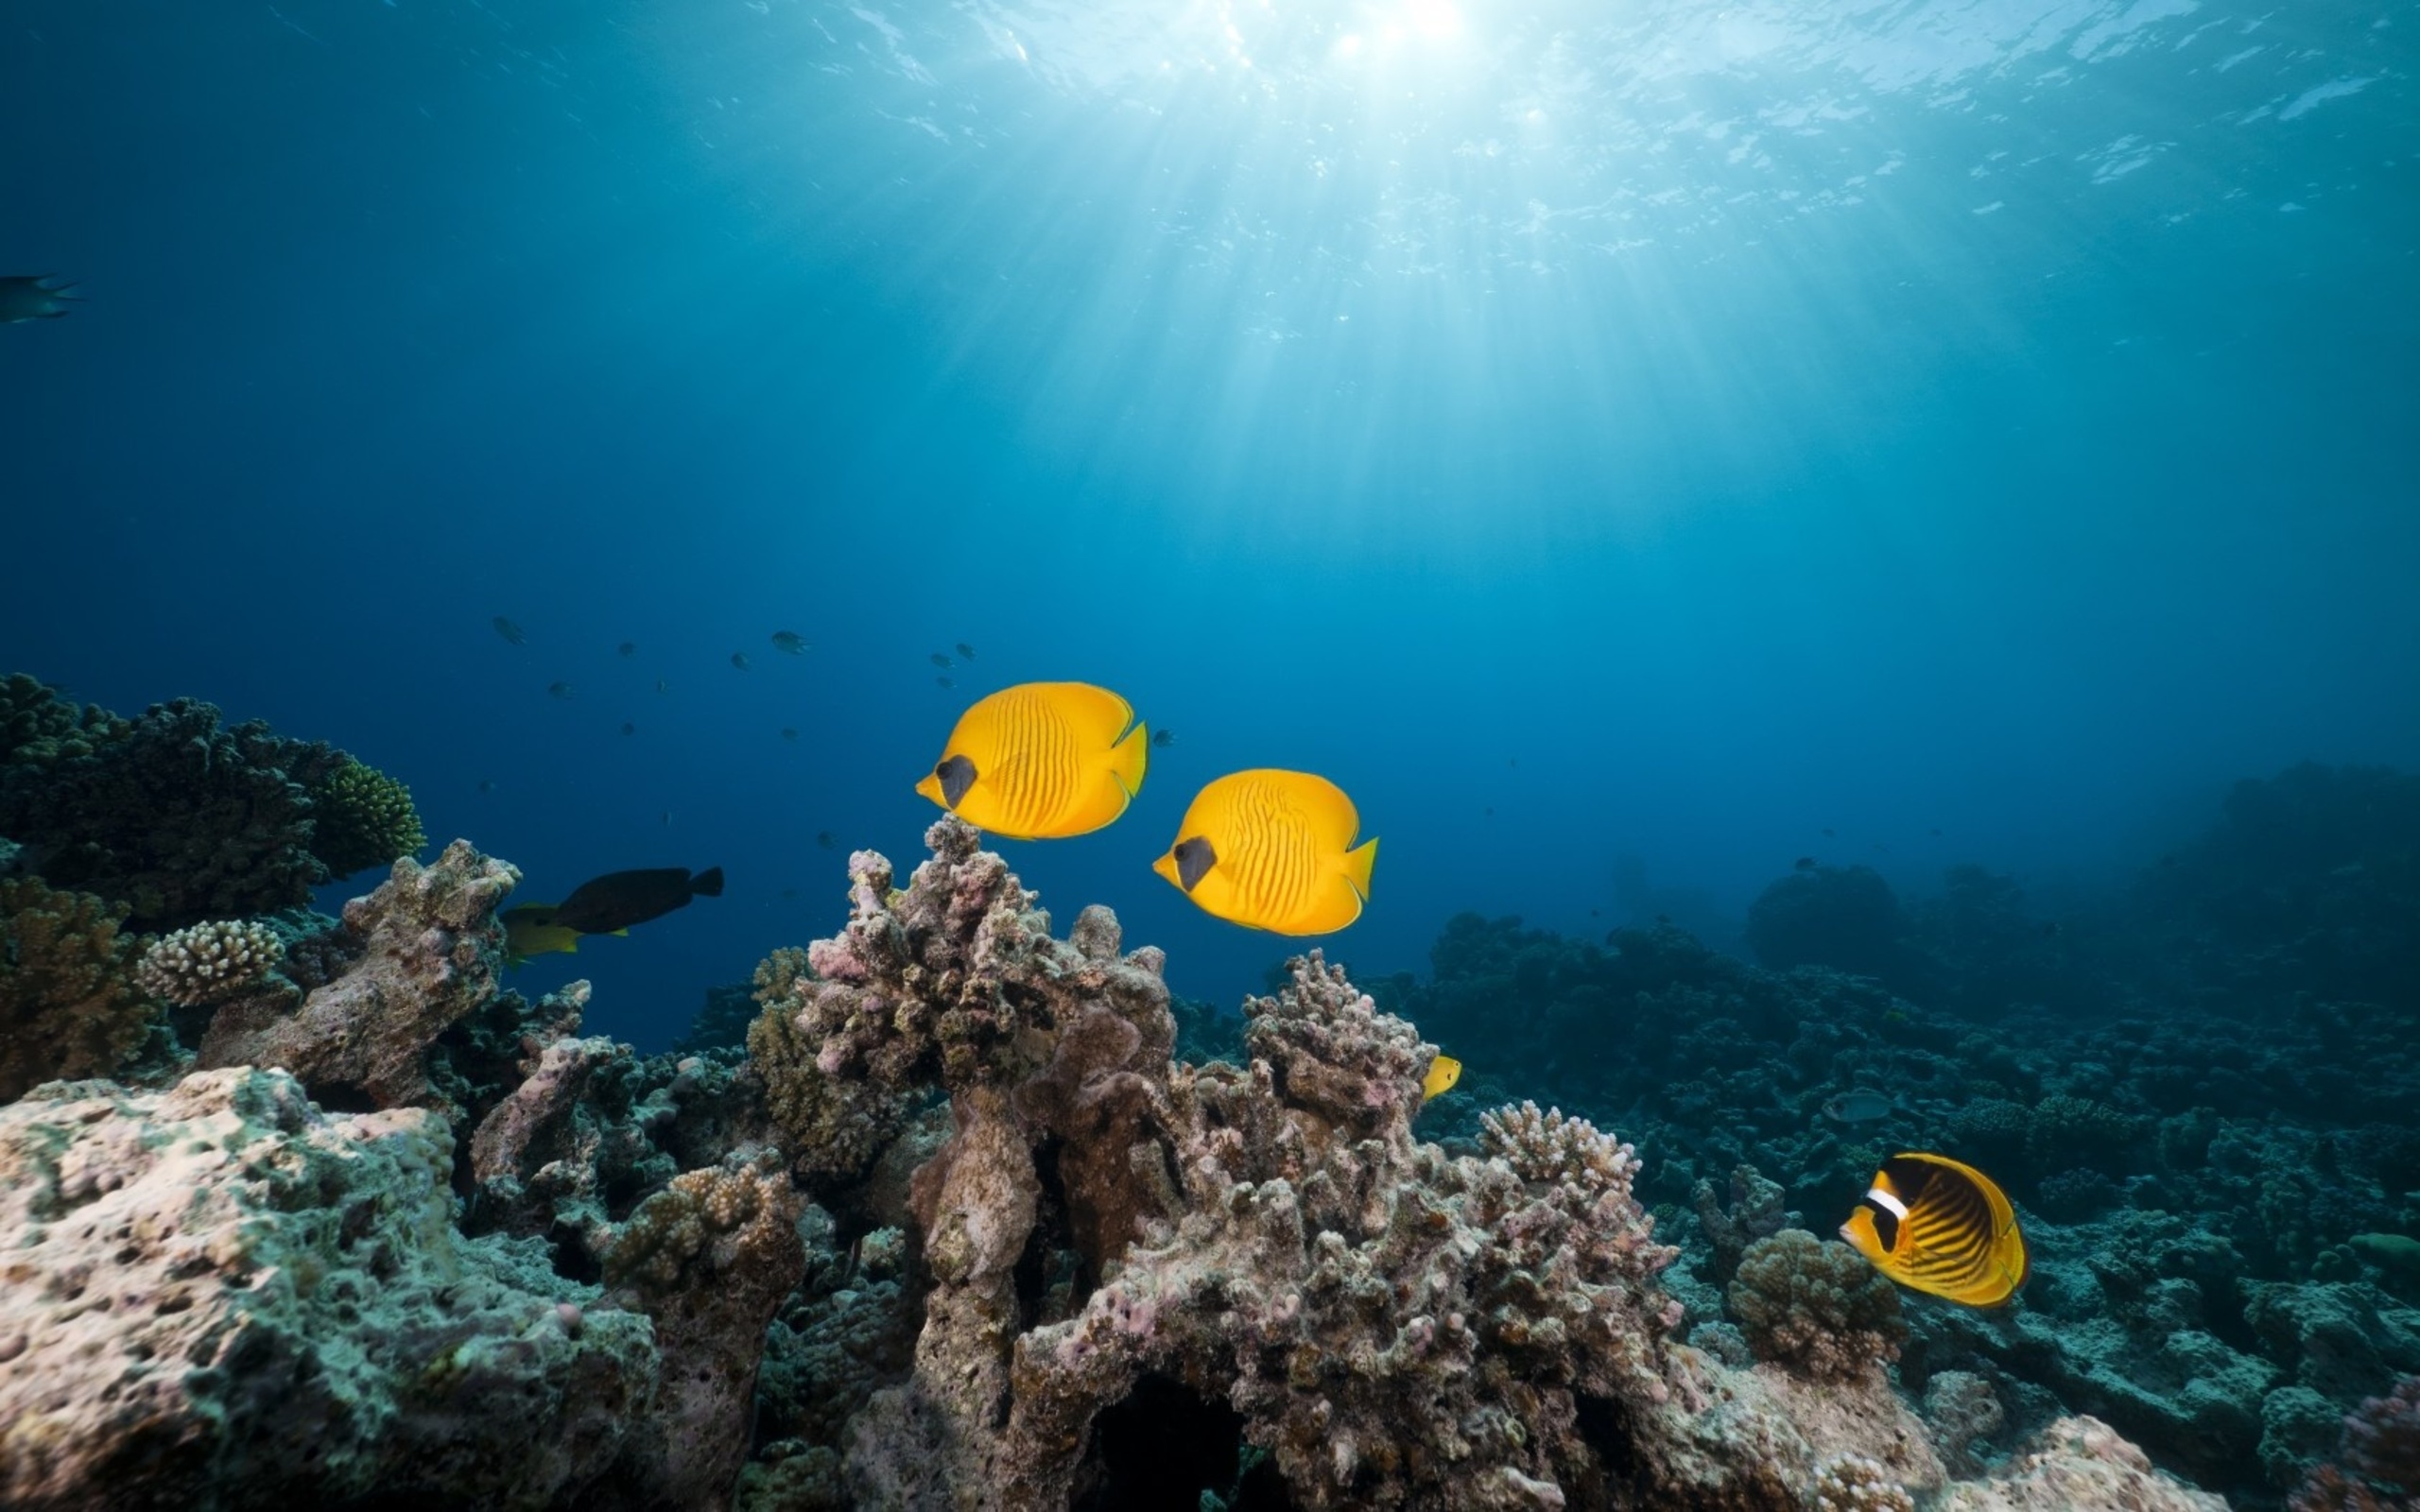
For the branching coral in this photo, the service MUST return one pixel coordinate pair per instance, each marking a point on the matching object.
(69, 1004)
(1817, 1307)
(360, 817)
(209, 963)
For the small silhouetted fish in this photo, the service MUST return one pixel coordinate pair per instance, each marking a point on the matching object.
(663, 686)
(509, 630)
(789, 643)
(628, 648)
(1595, 913)
(940, 660)
(2050, 927)
(668, 818)
(823, 838)
(620, 898)
(787, 733)
(1805, 862)
(739, 659)
(1857, 1108)
(1511, 761)
(561, 690)
(1163, 738)
(1490, 813)
(486, 786)
(628, 728)
(965, 652)
(789, 892)
(1935, 833)
(1827, 835)
(946, 682)
(1663, 921)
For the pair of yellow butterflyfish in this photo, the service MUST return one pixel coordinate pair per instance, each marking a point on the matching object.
(1267, 849)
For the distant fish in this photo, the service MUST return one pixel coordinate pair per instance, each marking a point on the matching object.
(789, 643)
(2050, 927)
(940, 660)
(663, 686)
(787, 733)
(1442, 1073)
(486, 785)
(1940, 1226)
(1163, 738)
(1827, 835)
(823, 838)
(1805, 863)
(739, 659)
(509, 630)
(1041, 761)
(965, 652)
(560, 690)
(668, 818)
(1857, 1107)
(620, 898)
(1273, 849)
(39, 297)
(946, 681)
(629, 729)
(789, 892)
(628, 648)
(1935, 833)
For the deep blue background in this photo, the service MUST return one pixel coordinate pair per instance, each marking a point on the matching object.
(1665, 439)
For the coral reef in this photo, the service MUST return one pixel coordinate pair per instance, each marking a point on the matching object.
(70, 1002)
(209, 963)
(427, 953)
(832, 1127)
(221, 1287)
(2073, 1464)
(2378, 1465)
(1852, 1482)
(184, 819)
(361, 817)
(1815, 1307)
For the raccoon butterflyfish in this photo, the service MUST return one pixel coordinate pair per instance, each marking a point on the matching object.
(789, 643)
(1273, 849)
(1939, 1226)
(614, 902)
(531, 929)
(1442, 1073)
(1041, 761)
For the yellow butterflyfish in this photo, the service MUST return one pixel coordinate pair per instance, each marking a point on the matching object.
(1273, 849)
(1042, 761)
(1940, 1226)
(1442, 1073)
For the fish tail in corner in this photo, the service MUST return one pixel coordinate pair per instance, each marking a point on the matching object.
(1357, 865)
(1128, 759)
(706, 883)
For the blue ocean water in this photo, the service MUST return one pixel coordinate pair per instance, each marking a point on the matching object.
(1627, 447)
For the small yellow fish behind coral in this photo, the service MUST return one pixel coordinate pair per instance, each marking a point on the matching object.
(1444, 1073)
(529, 929)
(1273, 849)
(1041, 761)
(1940, 1226)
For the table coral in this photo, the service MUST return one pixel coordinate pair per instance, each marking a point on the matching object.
(220, 1296)
(70, 1004)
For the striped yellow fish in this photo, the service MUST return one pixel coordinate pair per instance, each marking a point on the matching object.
(1273, 849)
(1041, 761)
(1942, 1226)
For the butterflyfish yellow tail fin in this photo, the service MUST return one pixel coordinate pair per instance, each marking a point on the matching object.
(1129, 757)
(1357, 865)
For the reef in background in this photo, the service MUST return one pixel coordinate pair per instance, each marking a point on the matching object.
(936, 1214)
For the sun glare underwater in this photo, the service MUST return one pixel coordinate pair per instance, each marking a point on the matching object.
(1210, 754)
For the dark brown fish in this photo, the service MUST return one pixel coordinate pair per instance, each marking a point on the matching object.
(620, 898)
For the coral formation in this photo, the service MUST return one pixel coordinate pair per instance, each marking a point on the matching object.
(427, 952)
(360, 817)
(221, 1287)
(70, 1004)
(1852, 1482)
(184, 819)
(208, 963)
(2378, 1465)
(832, 1127)
(1815, 1307)
(2073, 1464)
